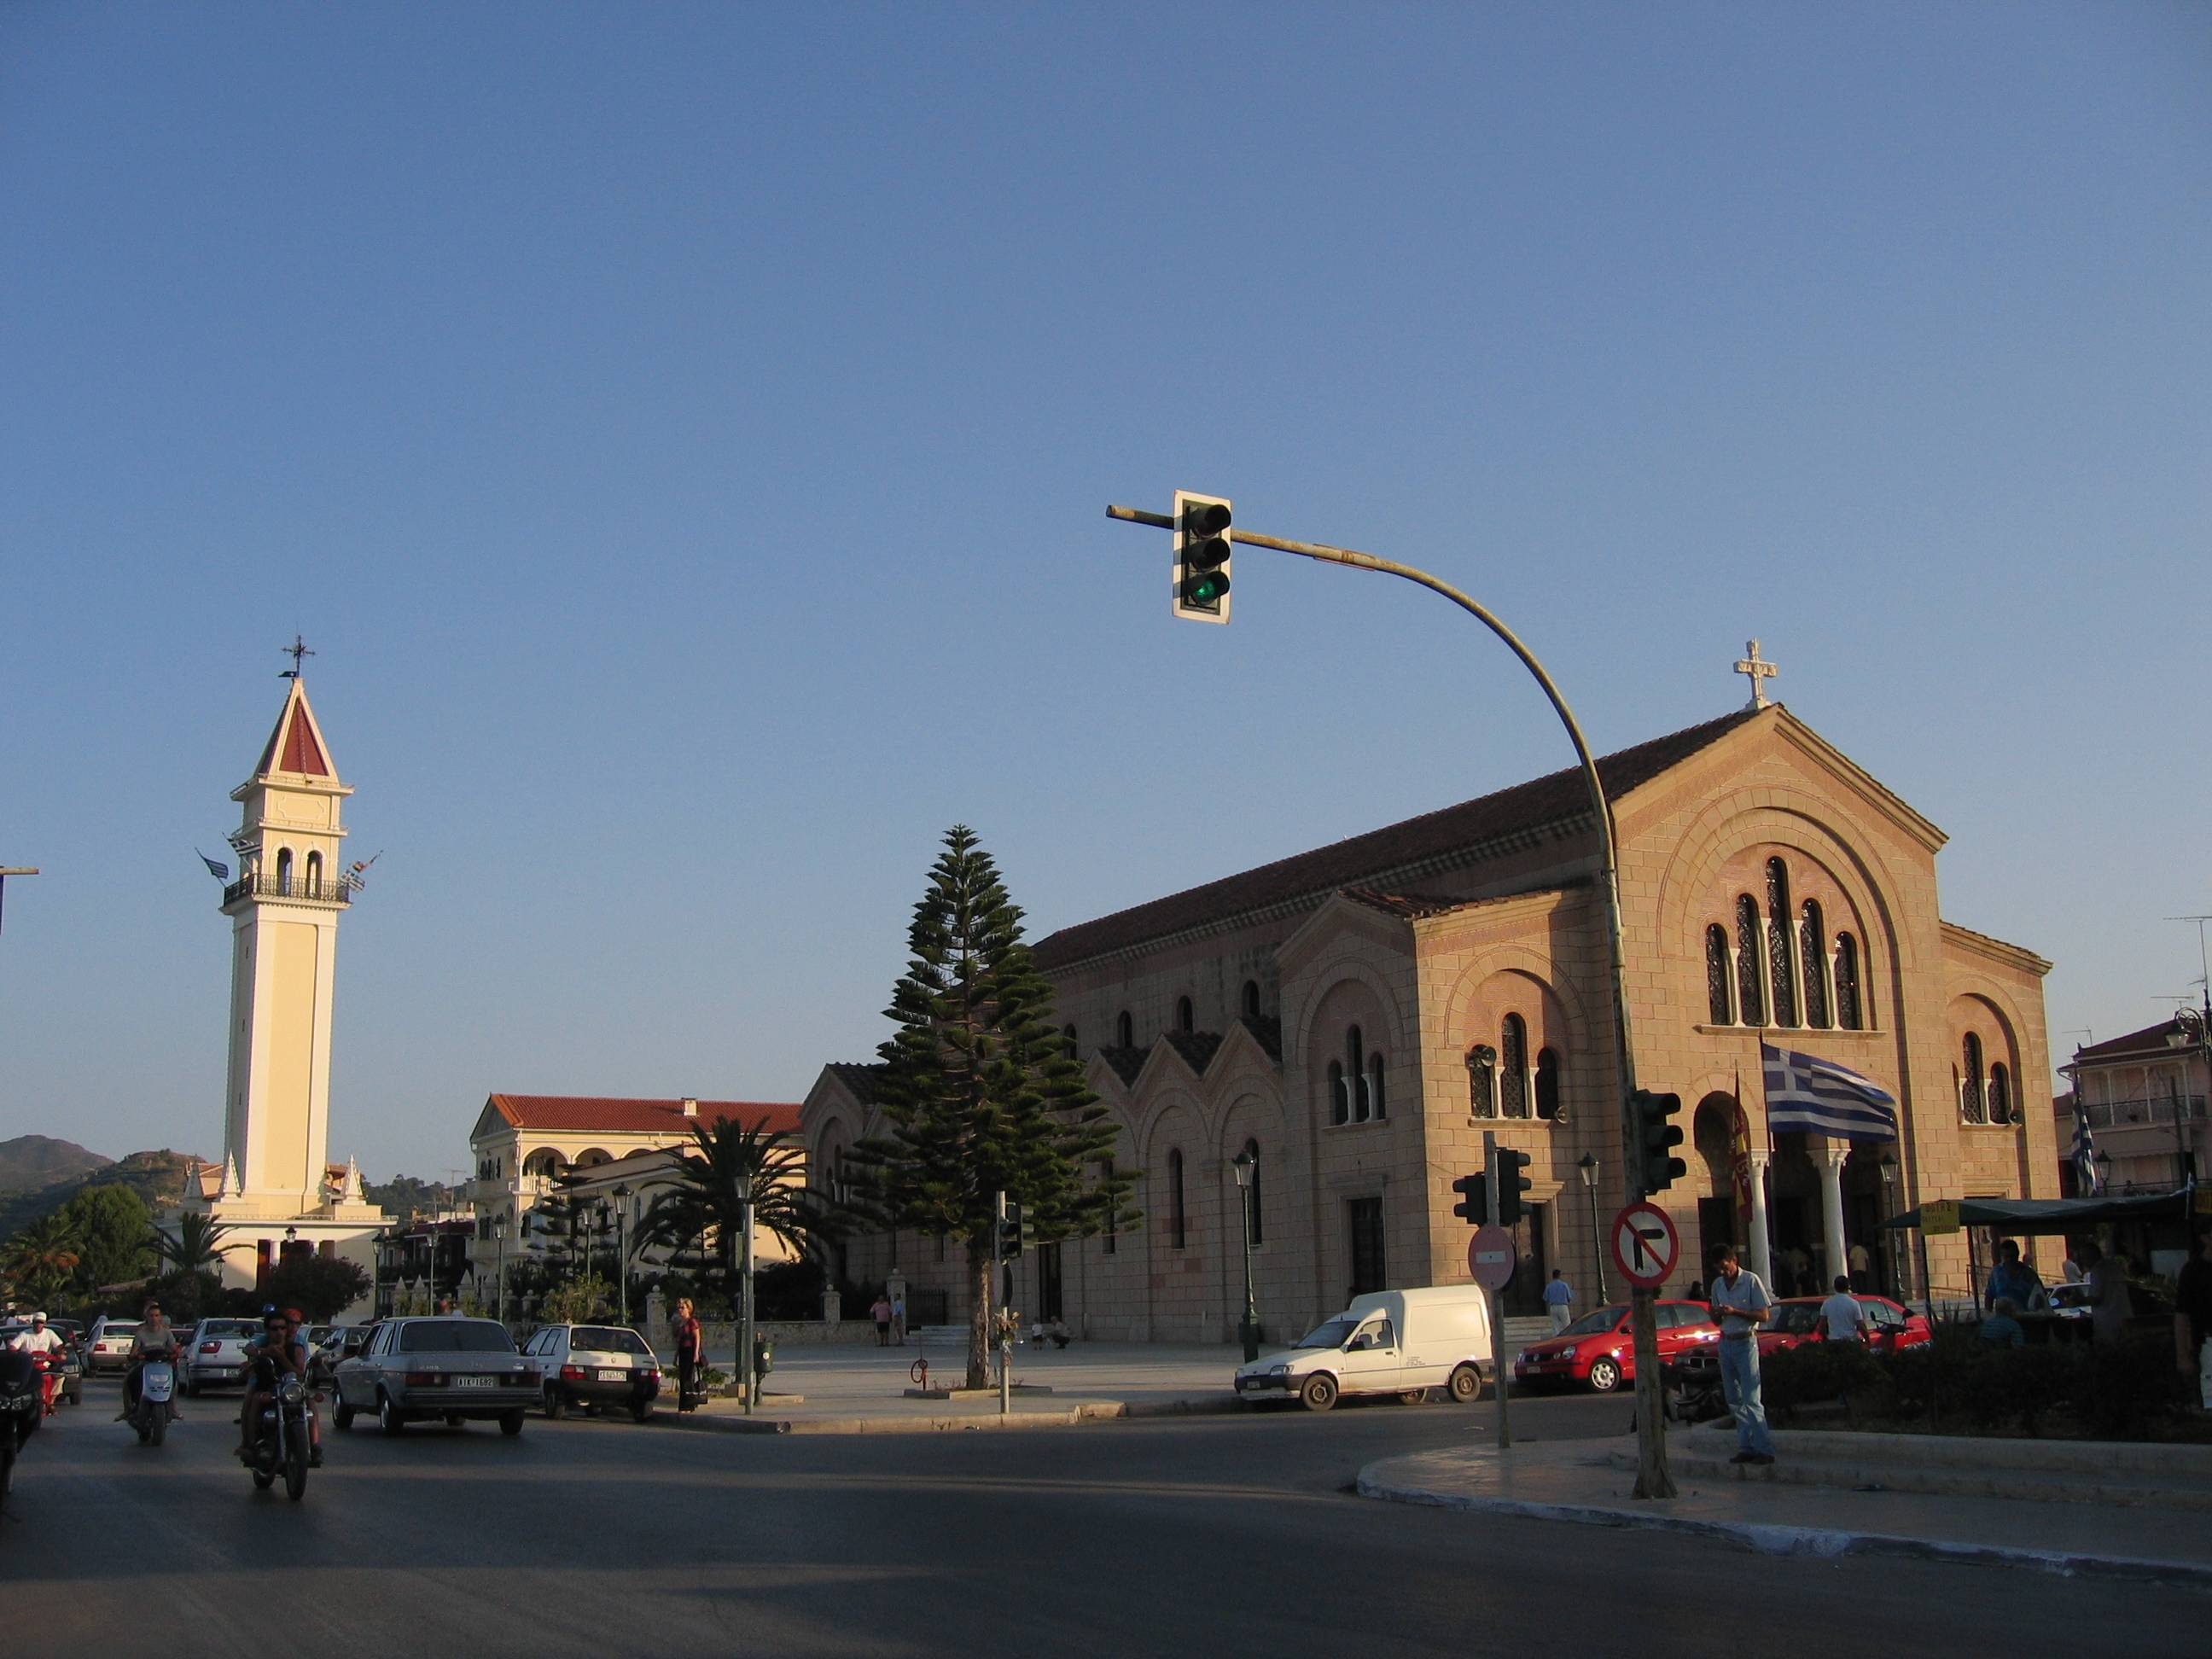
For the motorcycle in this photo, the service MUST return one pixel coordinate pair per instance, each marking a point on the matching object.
(157, 1387)
(280, 1438)
(20, 1410)
(53, 1372)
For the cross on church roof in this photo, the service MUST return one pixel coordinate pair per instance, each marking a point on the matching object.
(296, 650)
(1758, 672)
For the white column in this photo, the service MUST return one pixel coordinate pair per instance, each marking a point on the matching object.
(1762, 1253)
(1831, 1211)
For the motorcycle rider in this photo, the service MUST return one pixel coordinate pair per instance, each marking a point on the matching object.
(299, 1331)
(271, 1358)
(39, 1340)
(156, 1339)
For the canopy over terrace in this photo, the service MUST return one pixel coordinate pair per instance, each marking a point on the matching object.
(2059, 1215)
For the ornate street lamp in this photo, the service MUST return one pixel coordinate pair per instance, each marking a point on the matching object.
(499, 1244)
(2191, 1029)
(1588, 1164)
(1889, 1209)
(622, 1247)
(1246, 1164)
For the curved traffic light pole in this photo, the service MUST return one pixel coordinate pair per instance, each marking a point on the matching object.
(1652, 1479)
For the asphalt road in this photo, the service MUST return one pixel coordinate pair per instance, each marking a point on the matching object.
(1223, 1536)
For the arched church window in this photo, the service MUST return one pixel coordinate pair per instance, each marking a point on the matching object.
(1847, 983)
(1973, 1108)
(1781, 956)
(1716, 976)
(1074, 1048)
(1513, 1067)
(1125, 1030)
(1813, 952)
(1185, 1019)
(1339, 1098)
(314, 875)
(1110, 1239)
(2000, 1093)
(1178, 1228)
(1482, 1081)
(1251, 998)
(1355, 1068)
(1548, 1084)
(285, 870)
(1750, 963)
(1256, 1230)
(1373, 1105)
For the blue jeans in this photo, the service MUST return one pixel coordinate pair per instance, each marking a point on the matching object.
(1739, 1388)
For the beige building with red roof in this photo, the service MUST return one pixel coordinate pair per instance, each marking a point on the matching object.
(1360, 1015)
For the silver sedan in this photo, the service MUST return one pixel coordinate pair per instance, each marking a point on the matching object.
(423, 1370)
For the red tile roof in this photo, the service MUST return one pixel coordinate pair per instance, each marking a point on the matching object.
(1452, 837)
(2150, 1040)
(590, 1114)
(292, 746)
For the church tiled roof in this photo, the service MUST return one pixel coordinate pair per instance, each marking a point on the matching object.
(1380, 858)
(1195, 1047)
(293, 746)
(859, 1079)
(595, 1113)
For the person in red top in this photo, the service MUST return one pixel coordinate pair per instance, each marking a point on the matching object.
(688, 1339)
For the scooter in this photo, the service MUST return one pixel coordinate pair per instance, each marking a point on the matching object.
(157, 1387)
(279, 1439)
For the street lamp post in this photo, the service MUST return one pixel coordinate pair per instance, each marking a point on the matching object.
(622, 1247)
(499, 1246)
(1246, 1164)
(1588, 1165)
(1889, 1239)
(1652, 1479)
(2191, 1029)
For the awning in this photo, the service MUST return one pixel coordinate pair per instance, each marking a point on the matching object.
(2059, 1215)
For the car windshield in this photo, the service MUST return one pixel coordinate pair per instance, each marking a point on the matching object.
(456, 1336)
(230, 1329)
(607, 1339)
(1332, 1335)
(1595, 1324)
(1796, 1318)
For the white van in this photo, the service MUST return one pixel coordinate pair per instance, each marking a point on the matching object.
(1401, 1342)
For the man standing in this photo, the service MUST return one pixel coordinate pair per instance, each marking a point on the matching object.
(1740, 1301)
(2012, 1279)
(2192, 1310)
(1843, 1319)
(1559, 1300)
(1862, 1262)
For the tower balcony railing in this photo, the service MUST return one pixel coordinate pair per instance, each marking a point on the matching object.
(300, 889)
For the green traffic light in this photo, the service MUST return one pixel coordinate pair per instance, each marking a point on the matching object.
(1206, 588)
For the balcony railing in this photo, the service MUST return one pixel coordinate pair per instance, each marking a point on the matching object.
(319, 890)
(2155, 1109)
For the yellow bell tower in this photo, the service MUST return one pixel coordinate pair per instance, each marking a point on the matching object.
(284, 907)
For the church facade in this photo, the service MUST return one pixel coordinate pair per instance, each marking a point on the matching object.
(1357, 1017)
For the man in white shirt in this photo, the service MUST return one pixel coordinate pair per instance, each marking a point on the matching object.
(1842, 1317)
(1741, 1305)
(38, 1339)
(1861, 1261)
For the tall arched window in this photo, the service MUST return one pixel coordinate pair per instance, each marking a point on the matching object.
(1847, 983)
(1716, 976)
(1548, 1084)
(1482, 1081)
(1178, 1229)
(1125, 1030)
(314, 875)
(1355, 1068)
(1340, 1097)
(1972, 1107)
(1257, 1229)
(2000, 1094)
(1251, 998)
(1374, 1105)
(1813, 952)
(1074, 1048)
(1781, 952)
(1750, 961)
(1185, 1019)
(1110, 1239)
(284, 869)
(1513, 1067)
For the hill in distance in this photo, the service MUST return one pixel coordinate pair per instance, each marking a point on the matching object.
(30, 1162)
(157, 1178)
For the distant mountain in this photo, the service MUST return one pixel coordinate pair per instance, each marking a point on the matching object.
(30, 1162)
(157, 1178)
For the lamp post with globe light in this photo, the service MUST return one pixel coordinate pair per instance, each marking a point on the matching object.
(1588, 1164)
(1246, 1164)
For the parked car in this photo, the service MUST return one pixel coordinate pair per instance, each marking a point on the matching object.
(214, 1354)
(343, 1342)
(1390, 1342)
(593, 1366)
(110, 1348)
(439, 1366)
(1891, 1326)
(2151, 1309)
(1599, 1349)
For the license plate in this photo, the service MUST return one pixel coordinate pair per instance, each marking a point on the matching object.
(614, 1377)
(476, 1382)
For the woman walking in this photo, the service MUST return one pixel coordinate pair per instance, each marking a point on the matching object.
(687, 1340)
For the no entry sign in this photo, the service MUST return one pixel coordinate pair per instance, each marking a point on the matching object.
(1490, 1256)
(1644, 1247)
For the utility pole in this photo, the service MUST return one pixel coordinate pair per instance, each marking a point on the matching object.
(1652, 1479)
(747, 1369)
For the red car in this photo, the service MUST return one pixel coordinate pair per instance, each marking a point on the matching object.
(1890, 1326)
(1599, 1350)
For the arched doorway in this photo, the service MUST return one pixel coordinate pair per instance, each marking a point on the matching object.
(1723, 1201)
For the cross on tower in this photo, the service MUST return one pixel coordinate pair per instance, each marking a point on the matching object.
(1753, 667)
(298, 649)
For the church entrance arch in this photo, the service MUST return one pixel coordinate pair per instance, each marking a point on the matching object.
(1723, 1192)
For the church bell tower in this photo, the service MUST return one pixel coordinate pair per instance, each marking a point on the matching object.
(284, 907)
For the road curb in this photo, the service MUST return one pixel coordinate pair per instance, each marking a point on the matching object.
(1095, 1410)
(1767, 1538)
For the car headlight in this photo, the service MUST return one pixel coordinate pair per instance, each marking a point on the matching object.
(1278, 1370)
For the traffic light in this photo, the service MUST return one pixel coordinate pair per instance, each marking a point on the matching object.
(1511, 1184)
(1010, 1241)
(1474, 1205)
(1201, 557)
(1655, 1139)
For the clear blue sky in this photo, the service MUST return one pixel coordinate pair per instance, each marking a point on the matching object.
(682, 433)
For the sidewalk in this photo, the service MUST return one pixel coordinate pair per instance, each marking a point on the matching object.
(2160, 1538)
(862, 1390)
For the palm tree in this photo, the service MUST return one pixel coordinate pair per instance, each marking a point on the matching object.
(195, 1247)
(729, 1163)
(41, 1257)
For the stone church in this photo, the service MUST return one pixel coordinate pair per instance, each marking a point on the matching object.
(1357, 1016)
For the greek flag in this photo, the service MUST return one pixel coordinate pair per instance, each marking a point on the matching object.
(2085, 1156)
(1818, 1096)
(220, 872)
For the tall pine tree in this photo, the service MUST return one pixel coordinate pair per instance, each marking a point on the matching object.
(980, 1091)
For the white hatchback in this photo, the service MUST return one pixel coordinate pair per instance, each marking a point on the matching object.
(594, 1366)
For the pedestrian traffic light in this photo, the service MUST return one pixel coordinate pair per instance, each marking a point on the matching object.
(1657, 1138)
(1010, 1241)
(1511, 1184)
(1474, 1205)
(1201, 557)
